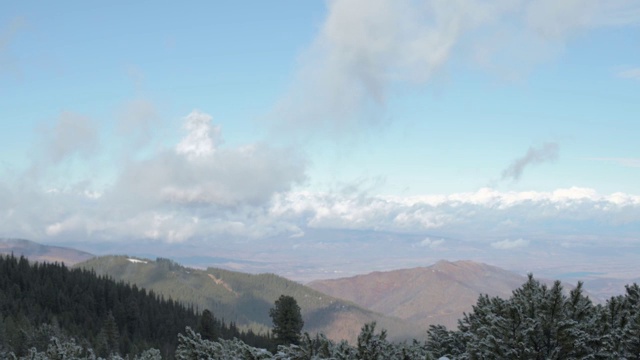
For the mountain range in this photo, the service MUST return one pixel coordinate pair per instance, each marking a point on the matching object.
(405, 302)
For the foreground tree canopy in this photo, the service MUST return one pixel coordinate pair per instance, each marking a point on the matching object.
(540, 322)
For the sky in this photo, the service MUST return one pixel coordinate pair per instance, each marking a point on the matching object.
(315, 138)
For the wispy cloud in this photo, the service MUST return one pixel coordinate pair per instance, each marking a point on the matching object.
(7, 35)
(367, 47)
(71, 138)
(626, 162)
(72, 134)
(430, 243)
(138, 121)
(545, 153)
(633, 73)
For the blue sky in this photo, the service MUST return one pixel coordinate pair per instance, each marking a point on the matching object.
(194, 124)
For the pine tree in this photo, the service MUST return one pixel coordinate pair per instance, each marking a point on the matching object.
(372, 346)
(442, 342)
(207, 326)
(287, 321)
(111, 335)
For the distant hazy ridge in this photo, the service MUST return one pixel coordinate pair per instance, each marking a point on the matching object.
(43, 253)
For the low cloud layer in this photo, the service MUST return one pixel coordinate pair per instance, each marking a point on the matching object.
(481, 216)
(546, 153)
(249, 193)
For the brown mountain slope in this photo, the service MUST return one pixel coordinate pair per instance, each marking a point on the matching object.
(438, 294)
(43, 253)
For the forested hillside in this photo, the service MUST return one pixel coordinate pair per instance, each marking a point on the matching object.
(536, 322)
(40, 301)
(246, 298)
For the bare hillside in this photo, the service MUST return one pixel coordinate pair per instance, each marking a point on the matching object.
(438, 294)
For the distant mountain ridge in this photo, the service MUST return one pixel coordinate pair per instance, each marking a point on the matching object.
(405, 302)
(438, 294)
(246, 298)
(43, 253)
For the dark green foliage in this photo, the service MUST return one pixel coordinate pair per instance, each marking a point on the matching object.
(42, 301)
(371, 345)
(541, 322)
(208, 327)
(444, 343)
(287, 321)
(241, 297)
(110, 317)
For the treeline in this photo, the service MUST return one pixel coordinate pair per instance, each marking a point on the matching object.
(541, 322)
(50, 312)
(41, 301)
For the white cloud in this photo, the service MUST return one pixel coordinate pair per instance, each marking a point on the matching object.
(202, 173)
(227, 190)
(509, 244)
(460, 213)
(169, 198)
(202, 137)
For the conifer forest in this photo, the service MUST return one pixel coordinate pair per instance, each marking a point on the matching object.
(52, 312)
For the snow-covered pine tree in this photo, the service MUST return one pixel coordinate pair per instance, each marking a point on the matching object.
(442, 342)
(192, 347)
